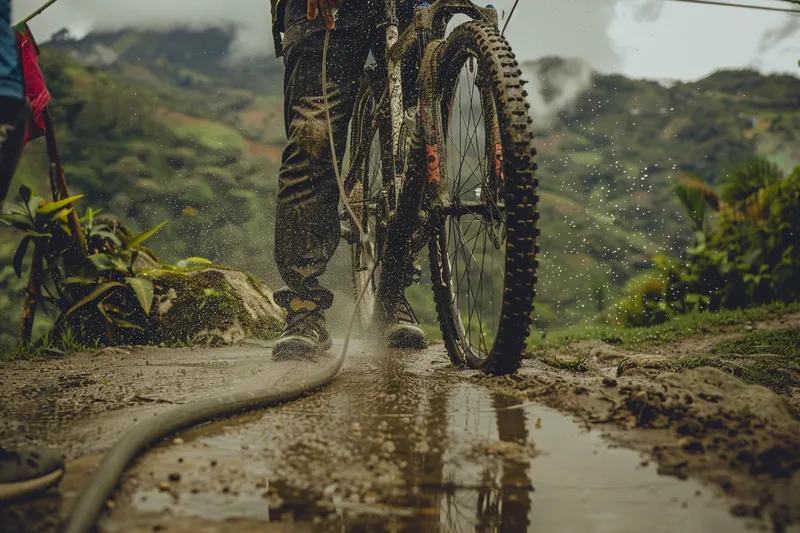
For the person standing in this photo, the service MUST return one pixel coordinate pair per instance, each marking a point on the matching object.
(307, 221)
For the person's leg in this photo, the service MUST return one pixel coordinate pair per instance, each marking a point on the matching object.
(13, 109)
(29, 471)
(307, 221)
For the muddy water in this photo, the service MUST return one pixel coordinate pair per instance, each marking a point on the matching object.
(401, 442)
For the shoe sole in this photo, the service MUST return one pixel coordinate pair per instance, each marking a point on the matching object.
(297, 348)
(410, 337)
(11, 491)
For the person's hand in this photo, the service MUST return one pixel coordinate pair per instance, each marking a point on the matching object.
(325, 6)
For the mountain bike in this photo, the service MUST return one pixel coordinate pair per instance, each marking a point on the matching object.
(446, 162)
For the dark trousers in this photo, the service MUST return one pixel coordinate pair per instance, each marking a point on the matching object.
(307, 227)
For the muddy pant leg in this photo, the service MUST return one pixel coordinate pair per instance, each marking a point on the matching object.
(307, 225)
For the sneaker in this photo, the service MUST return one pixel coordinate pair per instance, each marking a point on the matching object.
(401, 327)
(27, 472)
(303, 338)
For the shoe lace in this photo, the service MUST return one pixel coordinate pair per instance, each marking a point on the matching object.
(302, 323)
(403, 312)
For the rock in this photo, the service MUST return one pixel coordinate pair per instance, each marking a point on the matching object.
(691, 428)
(609, 382)
(214, 305)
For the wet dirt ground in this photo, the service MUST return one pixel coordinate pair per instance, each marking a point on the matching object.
(400, 441)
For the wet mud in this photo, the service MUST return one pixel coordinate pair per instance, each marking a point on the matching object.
(403, 442)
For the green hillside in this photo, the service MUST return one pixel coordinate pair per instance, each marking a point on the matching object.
(166, 126)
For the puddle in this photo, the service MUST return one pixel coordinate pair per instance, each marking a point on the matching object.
(468, 461)
(579, 483)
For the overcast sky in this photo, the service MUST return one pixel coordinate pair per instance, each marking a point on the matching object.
(639, 38)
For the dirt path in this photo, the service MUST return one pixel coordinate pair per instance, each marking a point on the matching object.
(399, 442)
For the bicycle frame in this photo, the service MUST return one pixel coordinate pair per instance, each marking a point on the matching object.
(421, 179)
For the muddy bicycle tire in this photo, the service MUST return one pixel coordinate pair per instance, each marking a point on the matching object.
(480, 45)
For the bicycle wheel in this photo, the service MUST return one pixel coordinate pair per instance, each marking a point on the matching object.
(371, 148)
(483, 257)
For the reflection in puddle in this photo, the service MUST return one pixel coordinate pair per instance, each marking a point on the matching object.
(579, 484)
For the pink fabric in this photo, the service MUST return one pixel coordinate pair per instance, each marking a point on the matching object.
(35, 88)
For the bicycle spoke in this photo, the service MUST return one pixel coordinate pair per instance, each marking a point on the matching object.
(471, 237)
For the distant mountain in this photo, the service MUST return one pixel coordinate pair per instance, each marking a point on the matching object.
(199, 59)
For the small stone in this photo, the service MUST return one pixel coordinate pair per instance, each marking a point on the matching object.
(640, 396)
(111, 505)
(609, 382)
(245, 446)
(740, 510)
(694, 446)
(213, 463)
(691, 428)
(355, 427)
(370, 498)
(174, 476)
(177, 441)
(261, 484)
(388, 447)
(163, 486)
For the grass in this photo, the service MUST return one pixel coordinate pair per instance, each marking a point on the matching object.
(581, 364)
(780, 374)
(783, 342)
(66, 345)
(676, 328)
(771, 359)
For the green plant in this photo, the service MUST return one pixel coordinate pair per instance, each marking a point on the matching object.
(107, 294)
(750, 256)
